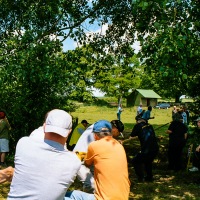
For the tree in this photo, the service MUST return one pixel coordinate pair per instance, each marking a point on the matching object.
(120, 78)
(169, 35)
(36, 76)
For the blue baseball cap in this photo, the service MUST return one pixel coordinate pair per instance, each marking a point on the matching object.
(102, 126)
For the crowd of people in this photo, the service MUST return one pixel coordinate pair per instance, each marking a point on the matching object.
(45, 168)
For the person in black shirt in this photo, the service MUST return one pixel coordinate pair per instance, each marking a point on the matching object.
(177, 139)
(142, 162)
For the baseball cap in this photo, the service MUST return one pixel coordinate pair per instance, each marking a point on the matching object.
(102, 126)
(198, 119)
(118, 124)
(2, 114)
(58, 121)
(84, 121)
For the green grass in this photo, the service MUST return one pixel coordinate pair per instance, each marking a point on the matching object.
(167, 185)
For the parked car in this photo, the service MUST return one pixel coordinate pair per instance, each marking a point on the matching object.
(162, 106)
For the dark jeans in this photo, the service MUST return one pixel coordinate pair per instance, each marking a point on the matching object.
(119, 116)
(142, 163)
(175, 156)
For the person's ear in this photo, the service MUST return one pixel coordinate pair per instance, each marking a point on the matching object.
(70, 130)
(44, 124)
(96, 137)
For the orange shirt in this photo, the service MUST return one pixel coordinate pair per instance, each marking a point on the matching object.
(110, 169)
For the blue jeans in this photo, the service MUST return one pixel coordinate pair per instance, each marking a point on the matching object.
(118, 116)
(79, 195)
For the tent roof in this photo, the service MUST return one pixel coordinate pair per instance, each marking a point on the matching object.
(148, 93)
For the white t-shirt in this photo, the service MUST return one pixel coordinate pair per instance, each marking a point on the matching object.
(86, 138)
(139, 110)
(38, 133)
(43, 170)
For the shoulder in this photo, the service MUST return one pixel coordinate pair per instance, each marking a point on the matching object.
(86, 138)
(73, 156)
(80, 125)
(24, 139)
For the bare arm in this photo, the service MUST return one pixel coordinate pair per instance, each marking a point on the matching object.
(198, 148)
(168, 131)
(130, 138)
(185, 136)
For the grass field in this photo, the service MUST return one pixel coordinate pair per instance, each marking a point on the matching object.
(167, 184)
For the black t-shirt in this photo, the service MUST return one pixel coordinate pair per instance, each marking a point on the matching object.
(178, 131)
(146, 135)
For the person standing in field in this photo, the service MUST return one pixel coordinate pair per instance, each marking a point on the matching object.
(4, 138)
(139, 109)
(119, 111)
(147, 114)
(143, 160)
(184, 116)
(177, 139)
(174, 111)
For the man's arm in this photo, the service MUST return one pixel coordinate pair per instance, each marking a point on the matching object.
(8, 124)
(168, 131)
(185, 136)
(89, 158)
(130, 138)
(198, 148)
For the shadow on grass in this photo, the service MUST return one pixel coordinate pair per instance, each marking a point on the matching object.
(167, 184)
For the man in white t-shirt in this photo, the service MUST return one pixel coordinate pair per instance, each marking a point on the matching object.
(139, 109)
(44, 169)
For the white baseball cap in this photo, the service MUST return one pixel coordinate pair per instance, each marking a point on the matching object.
(58, 121)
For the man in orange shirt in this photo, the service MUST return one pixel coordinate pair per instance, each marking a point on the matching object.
(110, 164)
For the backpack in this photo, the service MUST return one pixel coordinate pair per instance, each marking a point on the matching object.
(149, 141)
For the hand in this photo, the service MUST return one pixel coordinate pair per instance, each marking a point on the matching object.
(81, 155)
(198, 148)
(160, 138)
(121, 142)
(6, 174)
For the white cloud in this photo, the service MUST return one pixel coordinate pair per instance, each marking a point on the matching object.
(97, 92)
(136, 46)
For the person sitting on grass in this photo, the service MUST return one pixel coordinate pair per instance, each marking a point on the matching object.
(76, 134)
(110, 164)
(44, 169)
(85, 174)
